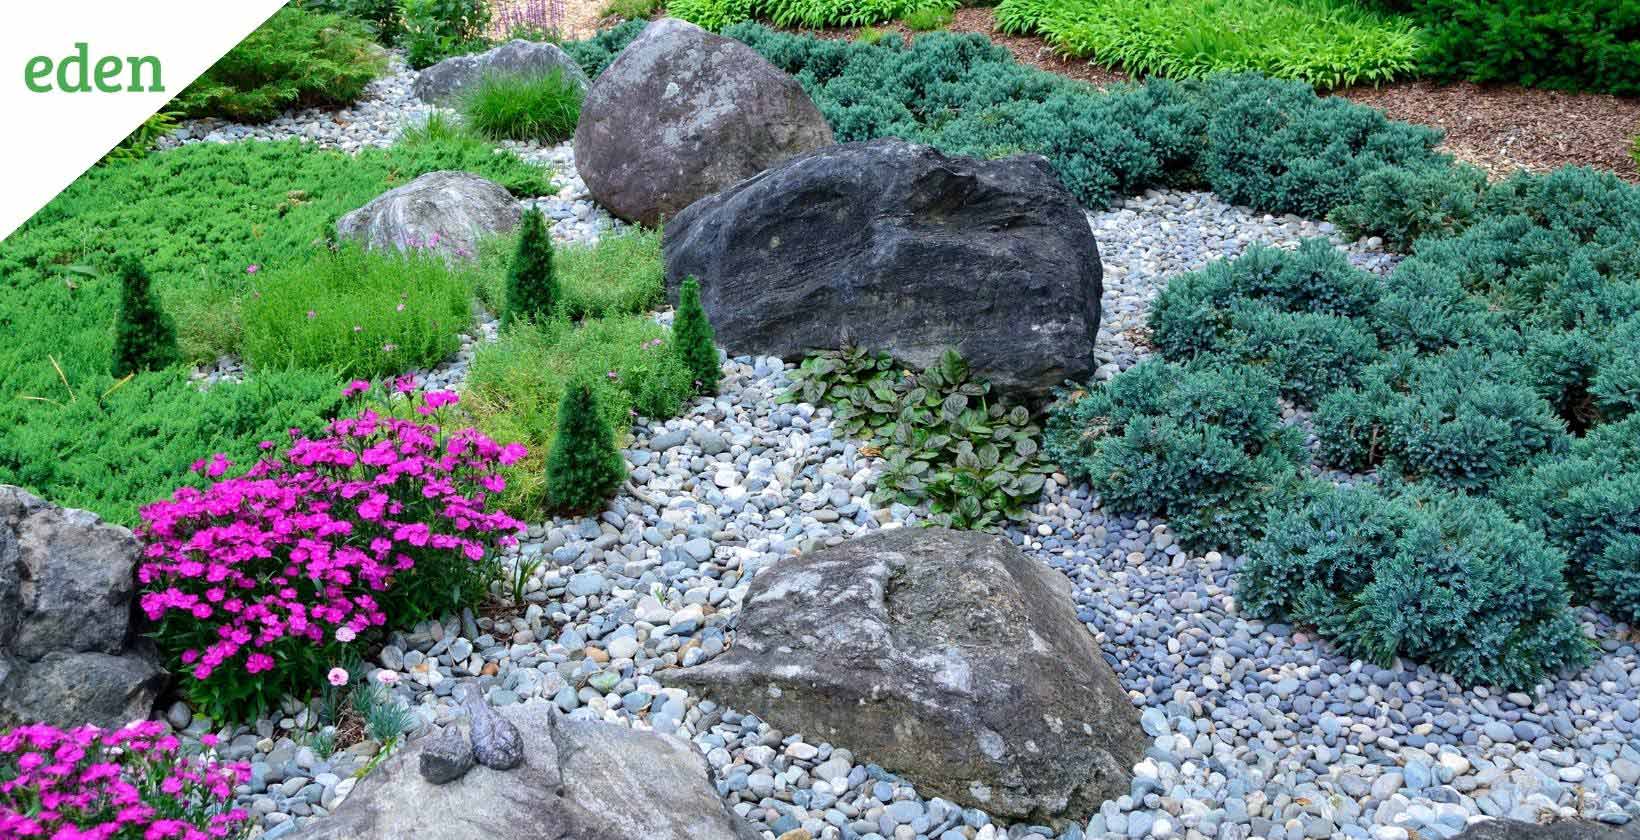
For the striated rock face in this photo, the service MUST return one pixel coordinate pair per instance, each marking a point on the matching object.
(682, 113)
(447, 79)
(898, 248)
(1557, 830)
(947, 657)
(446, 210)
(68, 653)
(577, 780)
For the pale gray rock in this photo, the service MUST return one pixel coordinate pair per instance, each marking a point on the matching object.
(682, 113)
(496, 742)
(585, 780)
(447, 79)
(947, 657)
(445, 210)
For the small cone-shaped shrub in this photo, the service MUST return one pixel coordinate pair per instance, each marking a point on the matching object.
(144, 337)
(693, 339)
(532, 288)
(584, 467)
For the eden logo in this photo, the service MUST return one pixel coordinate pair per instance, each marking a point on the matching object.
(74, 74)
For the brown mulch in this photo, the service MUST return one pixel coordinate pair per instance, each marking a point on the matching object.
(1499, 128)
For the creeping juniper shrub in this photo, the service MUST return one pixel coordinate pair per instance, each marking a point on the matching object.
(298, 58)
(532, 284)
(584, 468)
(1444, 579)
(694, 340)
(1310, 354)
(1199, 444)
(144, 336)
(1403, 204)
(595, 53)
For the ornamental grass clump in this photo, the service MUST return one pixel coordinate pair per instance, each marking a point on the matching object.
(585, 468)
(694, 340)
(532, 284)
(257, 582)
(144, 336)
(133, 783)
(543, 107)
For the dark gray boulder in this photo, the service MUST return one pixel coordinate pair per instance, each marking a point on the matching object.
(68, 652)
(579, 780)
(1557, 830)
(446, 210)
(446, 756)
(895, 247)
(948, 657)
(682, 113)
(448, 78)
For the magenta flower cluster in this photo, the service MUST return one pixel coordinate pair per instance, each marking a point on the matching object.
(320, 541)
(133, 783)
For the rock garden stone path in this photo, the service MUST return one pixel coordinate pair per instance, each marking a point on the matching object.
(1258, 730)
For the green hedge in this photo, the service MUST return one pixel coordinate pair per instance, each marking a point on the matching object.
(296, 59)
(1591, 45)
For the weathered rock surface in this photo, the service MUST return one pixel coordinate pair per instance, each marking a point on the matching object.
(1557, 830)
(898, 248)
(449, 78)
(496, 741)
(585, 780)
(445, 210)
(682, 113)
(446, 756)
(945, 656)
(68, 655)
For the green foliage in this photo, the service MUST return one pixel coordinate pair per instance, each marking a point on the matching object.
(144, 336)
(595, 53)
(633, 10)
(443, 144)
(972, 458)
(1401, 205)
(620, 274)
(509, 106)
(928, 18)
(360, 314)
(1276, 146)
(514, 386)
(1448, 580)
(718, 14)
(434, 30)
(1310, 354)
(141, 140)
(1198, 444)
(693, 339)
(295, 59)
(585, 468)
(1589, 45)
(381, 16)
(868, 35)
(532, 285)
(1328, 43)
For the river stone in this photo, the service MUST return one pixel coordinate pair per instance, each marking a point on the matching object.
(1557, 830)
(447, 210)
(496, 742)
(586, 780)
(945, 656)
(895, 247)
(682, 113)
(443, 81)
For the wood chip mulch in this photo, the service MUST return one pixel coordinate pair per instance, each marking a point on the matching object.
(1500, 128)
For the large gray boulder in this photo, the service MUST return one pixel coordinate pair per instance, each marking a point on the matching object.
(1557, 830)
(579, 780)
(446, 210)
(682, 113)
(68, 652)
(945, 656)
(897, 248)
(447, 79)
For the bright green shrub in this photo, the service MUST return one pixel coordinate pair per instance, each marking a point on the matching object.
(693, 339)
(359, 313)
(515, 382)
(381, 16)
(532, 285)
(509, 106)
(1402, 205)
(1276, 146)
(1328, 43)
(719, 14)
(620, 274)
(1460, 420)
(442, 144)
(585, 468)
(928, 18)
(1563, 44)
(1588, 505)
(1200, 445)
(1310, 355)
(144, 336)
(1447, 580)
(434, 30)
(295, 59)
